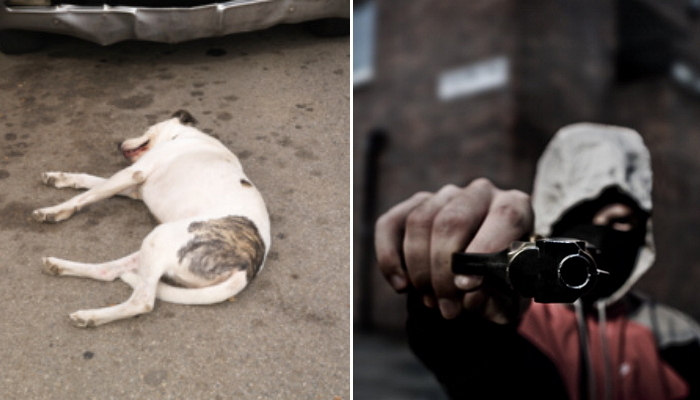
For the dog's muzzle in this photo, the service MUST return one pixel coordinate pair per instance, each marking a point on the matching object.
(133, 153)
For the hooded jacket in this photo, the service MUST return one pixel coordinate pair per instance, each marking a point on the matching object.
(628, 347)
(579, 163)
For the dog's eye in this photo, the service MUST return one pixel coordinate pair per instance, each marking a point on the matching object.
(174, 137)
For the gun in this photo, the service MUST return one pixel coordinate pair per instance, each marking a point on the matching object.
(552, 270)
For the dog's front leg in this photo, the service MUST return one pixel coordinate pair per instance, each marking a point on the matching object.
(119, 182)
(62, 180)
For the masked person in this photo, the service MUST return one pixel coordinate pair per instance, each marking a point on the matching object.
(593, 183)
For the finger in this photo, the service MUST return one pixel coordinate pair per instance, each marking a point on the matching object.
(454, 227)
(510, 217)
(474, 301)
(468, 283)
(388, 240)
(485, 303)
(497, 305)
(417, 239)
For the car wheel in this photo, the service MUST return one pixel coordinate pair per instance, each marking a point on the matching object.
(329, 27)
(21, 42)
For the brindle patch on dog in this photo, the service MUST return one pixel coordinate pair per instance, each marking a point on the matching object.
(223, 245)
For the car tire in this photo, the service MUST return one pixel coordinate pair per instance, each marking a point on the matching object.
(21, 42)
(329, 27)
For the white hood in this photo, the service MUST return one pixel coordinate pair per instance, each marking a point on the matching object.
(580, 162)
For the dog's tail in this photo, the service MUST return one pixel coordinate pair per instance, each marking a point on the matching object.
(197, 296)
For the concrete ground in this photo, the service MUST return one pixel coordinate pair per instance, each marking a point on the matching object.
(279, 99)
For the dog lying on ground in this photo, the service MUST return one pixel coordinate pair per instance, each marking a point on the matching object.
(214, 231)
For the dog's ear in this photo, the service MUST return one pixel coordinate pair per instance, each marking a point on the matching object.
(185, 117)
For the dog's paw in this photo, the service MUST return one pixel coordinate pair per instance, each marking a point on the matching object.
(49, 178)
(42, 215)
(50, 267)
(82, 319)
(51, 215)
(59, 180)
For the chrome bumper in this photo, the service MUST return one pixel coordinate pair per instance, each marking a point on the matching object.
(106, 25)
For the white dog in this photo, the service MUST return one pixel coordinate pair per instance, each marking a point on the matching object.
(214, 233)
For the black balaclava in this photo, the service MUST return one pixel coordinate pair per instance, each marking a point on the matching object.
(615, 251)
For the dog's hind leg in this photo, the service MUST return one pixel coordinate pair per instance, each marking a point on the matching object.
(141, 301)
(107, 271)
(156, 256)
(62, 180)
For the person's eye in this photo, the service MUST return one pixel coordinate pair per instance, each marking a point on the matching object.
(623, 224)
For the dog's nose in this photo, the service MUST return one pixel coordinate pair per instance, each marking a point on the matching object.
(119, 145)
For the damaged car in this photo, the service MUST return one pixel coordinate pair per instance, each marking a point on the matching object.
(24, 24)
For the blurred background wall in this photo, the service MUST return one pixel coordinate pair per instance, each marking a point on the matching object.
(445, 92)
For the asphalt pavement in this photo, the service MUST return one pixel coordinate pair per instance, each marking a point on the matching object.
(280, 99)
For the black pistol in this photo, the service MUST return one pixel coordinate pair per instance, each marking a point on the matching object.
(552, 270)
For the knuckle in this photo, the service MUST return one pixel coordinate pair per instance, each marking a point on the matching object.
(513, 207)
(448, 189)
(422, 195)
(516, 196)
(396, 215)
(482, 184)
(452, 219)
(509, 213)
(384, 222)
(420, 218)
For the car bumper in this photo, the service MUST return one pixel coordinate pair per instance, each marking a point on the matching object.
(110, 24)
